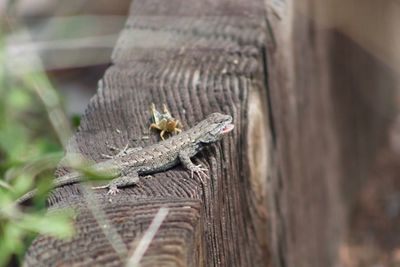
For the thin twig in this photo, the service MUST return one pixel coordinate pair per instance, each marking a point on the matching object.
(148, 236)
(106, 226)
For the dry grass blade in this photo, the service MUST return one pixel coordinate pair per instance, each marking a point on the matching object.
(105, 224)
(148, 236)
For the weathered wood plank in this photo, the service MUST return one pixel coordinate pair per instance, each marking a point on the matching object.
(197, 57)
(332, 101)
(306, 207)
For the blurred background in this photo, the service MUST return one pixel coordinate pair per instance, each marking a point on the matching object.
(72, 40)
(365, 63)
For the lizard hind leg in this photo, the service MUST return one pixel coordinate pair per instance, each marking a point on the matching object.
(126, 179)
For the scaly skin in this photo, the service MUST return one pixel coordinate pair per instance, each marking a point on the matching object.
(128, 165)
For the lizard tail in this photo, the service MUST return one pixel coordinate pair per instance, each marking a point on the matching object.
(26, 197)
(70, 178)
(63, 180)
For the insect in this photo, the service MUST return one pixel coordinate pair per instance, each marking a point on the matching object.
(164, 121)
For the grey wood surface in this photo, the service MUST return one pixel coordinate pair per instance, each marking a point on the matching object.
(291, 185)
(198, 57)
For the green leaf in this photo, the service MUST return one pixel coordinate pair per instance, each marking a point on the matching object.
(19, 98)
(6, 185)
(75, 120)
(10, 242)
(56, 223)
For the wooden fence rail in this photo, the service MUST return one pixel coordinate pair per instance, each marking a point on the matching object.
(198, 58)
(311, 106)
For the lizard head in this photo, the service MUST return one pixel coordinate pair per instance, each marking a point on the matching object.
(214, 127)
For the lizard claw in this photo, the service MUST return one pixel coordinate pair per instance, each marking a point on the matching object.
(200, 171)
(113, 191)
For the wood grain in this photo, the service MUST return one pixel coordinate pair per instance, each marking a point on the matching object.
(198, 58)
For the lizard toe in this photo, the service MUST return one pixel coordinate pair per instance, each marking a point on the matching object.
(113, 191)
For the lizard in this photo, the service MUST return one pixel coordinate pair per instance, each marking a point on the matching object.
(126, 168)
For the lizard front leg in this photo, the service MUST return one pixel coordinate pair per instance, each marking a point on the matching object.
(188, 164)
(128, 178)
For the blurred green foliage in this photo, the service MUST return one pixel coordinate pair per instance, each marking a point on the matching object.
(30, 149)
(75, 120)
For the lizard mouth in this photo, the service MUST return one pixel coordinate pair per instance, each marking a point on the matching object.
(229, 127)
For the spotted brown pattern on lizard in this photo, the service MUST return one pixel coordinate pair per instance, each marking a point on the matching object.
(127, 167)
